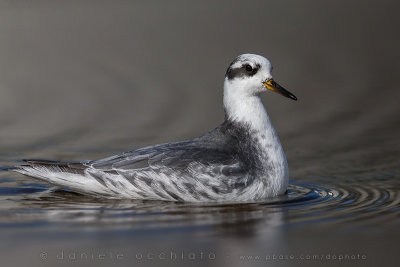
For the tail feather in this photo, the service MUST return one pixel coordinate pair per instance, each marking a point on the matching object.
(77, 167)
(8, 168)
(67, 174)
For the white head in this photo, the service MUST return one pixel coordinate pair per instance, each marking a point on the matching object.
(246, 77)
(250, 75)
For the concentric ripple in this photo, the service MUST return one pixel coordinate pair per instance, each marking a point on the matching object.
(363, 203)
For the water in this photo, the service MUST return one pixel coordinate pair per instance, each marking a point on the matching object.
(88, 80)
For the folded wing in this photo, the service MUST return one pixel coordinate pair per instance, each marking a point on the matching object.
(181, 171)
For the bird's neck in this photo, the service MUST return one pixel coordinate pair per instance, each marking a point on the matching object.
(249, 110)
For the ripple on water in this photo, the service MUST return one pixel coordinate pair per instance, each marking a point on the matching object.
(332, 201)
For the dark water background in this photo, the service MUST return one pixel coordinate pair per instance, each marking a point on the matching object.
(88, 79)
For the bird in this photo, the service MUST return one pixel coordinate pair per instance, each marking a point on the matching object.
(239, 161)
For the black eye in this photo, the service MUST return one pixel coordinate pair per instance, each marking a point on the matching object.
(248, 68)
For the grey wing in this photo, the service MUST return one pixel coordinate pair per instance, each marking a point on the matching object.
(177, 171)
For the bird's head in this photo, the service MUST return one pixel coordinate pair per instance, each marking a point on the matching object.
(249, 75)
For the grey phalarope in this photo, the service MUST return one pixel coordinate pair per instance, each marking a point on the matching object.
(241, 160)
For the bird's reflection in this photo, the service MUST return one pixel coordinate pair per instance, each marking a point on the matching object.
(241, 220)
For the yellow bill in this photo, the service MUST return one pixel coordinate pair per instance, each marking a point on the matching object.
(273, 86)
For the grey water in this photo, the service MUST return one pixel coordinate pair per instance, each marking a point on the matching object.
(85, 80)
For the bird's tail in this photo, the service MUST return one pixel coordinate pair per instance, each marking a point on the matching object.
(67, 174)
(75, 167)
(78, 177)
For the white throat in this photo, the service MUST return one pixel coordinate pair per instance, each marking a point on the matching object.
(243, 107)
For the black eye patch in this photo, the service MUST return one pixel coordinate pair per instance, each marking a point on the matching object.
(245, 70)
